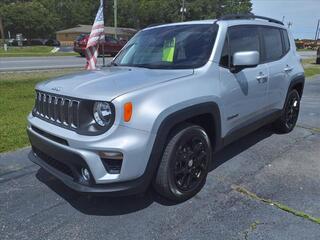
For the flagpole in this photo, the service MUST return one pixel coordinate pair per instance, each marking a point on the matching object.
(103, 57)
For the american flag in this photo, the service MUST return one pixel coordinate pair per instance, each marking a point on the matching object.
(96, 35)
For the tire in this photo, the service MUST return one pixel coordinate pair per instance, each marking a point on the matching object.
(290, 113)
(184, 165)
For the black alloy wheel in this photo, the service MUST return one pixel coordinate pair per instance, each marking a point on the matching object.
(290, 113)
(191, 163)
(184, 165)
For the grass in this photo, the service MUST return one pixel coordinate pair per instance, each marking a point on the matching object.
(305, 50)
(16, 101)
(278, 205)
(309, 72)
(310, 68)
(36, 51)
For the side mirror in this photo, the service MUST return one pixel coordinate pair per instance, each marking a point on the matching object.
(243, 60)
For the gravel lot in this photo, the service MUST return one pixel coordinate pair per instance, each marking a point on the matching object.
(282, 168)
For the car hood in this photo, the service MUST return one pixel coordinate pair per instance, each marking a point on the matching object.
(109, 83)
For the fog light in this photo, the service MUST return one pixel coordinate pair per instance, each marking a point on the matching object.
(85, 174)
(112, 161)
(111, 155)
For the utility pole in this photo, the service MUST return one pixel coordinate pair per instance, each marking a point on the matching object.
(220, 9)
(103, 2)
(115, 9)
(183, 10)
(2, 32)
(317, 31)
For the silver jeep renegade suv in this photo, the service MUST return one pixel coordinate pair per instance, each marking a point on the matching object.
(173, 96)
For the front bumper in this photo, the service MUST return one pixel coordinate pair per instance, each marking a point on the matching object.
(77, 151)
(64, 164)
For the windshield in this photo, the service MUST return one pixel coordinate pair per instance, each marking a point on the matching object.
(171, 47)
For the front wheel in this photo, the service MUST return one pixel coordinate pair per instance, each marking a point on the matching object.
(290, 113)
(184, 165)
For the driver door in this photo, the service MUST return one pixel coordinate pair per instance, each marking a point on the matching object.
(244, 93)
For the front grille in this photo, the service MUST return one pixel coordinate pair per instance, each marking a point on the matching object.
(62, 111)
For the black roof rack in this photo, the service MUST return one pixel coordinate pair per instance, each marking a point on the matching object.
(154, 25)
(248, 16)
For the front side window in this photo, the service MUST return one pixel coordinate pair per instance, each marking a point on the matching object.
(242, 39)
(170, 47)
(273, 44)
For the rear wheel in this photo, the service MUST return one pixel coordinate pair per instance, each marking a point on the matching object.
(290, 113)
(184, 164)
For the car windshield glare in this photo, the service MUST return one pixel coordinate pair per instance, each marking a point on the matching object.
(169, 47)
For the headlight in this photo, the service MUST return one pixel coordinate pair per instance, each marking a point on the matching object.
(102, 113)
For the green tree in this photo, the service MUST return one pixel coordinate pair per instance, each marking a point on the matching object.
(42, 18)
(30, 18)
(141, 13)
(71, 13)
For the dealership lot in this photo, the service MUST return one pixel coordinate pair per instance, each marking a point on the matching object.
(282, 168)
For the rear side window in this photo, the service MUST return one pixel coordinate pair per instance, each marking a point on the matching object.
(272, 44)
(243, 38)
(286, 41)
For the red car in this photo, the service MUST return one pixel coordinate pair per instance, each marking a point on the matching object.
(111, 45)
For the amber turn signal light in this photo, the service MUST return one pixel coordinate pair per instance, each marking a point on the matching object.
(127, 111)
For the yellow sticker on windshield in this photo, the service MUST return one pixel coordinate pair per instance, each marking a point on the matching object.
(168, 50)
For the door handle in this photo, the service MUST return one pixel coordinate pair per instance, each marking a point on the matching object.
(262, 78)
(288, 69)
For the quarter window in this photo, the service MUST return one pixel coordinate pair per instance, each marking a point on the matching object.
(272, 43)
(286, 41)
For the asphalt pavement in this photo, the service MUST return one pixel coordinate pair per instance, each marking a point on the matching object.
(263, 165)
(8, 64)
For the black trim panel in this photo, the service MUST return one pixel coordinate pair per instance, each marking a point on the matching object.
(295, 81)
(251, 126)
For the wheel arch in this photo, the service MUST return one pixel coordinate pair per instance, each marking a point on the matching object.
(298, 84)
(201, 114)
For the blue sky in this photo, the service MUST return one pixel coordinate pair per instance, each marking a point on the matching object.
(304, 14)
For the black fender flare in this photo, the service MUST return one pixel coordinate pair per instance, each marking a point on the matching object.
(173, 120)
(295, 81)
